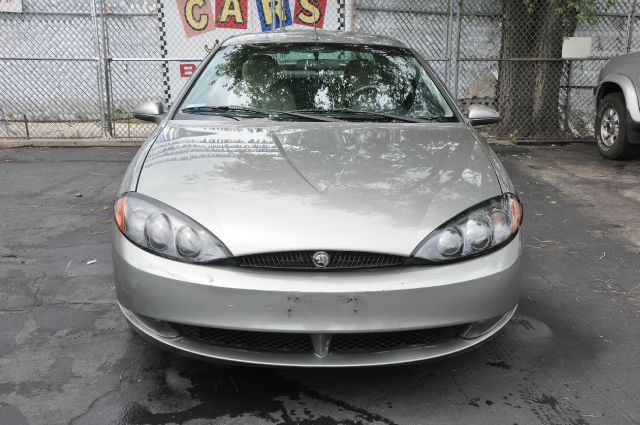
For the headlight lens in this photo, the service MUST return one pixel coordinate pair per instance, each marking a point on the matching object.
(450, 241)
(478, 230)
(157, 231)
(188, 242)
(165, 231)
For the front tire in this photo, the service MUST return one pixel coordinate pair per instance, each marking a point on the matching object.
(611, 128)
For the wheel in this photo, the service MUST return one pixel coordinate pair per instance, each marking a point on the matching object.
(611, 128)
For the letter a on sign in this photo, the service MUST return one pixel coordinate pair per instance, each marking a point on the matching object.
(231, 14)
(197, 16)
(310, 12)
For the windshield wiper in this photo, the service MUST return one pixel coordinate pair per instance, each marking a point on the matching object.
(452, 118)
(222, 109)
(247, 109)
(404, 118)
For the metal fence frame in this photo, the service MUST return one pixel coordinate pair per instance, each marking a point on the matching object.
(97, 60)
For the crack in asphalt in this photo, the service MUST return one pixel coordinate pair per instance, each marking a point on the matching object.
(363, 413)
(36, 301)
(93, 403)
(43, 304)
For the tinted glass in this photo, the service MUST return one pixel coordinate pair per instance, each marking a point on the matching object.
(290, 77)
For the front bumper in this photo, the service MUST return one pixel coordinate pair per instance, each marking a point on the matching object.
(386, 300)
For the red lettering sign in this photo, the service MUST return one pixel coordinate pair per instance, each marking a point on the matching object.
(310, 12)
(187, 69)
(231, 14)
(196, 16)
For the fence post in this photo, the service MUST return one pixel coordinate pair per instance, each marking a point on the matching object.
(282, 11)
(99, 64)
(273, 15)
(567, 98)
(107, 70)
(456, 58)
(632, 23)
(447, 67)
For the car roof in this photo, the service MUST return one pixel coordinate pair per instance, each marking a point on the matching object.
(309, 36)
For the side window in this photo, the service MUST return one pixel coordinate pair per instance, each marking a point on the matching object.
(428, 100)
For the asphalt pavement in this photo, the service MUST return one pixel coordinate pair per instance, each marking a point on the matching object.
(571, 354)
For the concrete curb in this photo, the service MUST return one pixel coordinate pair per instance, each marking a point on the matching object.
(69, 143)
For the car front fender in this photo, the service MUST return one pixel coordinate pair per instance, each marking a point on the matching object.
(629, 91)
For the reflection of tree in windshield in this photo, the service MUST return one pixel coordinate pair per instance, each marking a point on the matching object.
(301, 76)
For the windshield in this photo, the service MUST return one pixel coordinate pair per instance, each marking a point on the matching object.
(341, 79)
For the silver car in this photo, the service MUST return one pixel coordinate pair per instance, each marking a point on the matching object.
(316, 199)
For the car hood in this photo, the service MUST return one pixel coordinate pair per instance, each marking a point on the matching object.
(376, 187)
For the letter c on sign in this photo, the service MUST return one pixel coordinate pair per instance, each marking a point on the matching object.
(197, 23)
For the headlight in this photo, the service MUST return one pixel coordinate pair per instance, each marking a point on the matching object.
(478, 230)
(158, 228)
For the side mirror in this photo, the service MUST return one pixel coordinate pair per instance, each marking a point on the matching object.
(149, 111)
(481, 114)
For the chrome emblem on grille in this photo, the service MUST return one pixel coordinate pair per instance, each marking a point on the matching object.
(321, 259)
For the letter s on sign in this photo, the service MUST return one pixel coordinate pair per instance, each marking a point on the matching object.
(310, 13)
(197, 23)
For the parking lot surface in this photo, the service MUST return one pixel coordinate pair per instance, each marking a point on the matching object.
(569, 356)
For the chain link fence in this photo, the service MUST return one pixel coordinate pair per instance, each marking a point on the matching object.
(50, 86)
(77, 69)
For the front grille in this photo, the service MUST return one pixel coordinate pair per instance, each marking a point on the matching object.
(301, 343)
(247, 340)
(303, 260)
(384, 341)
